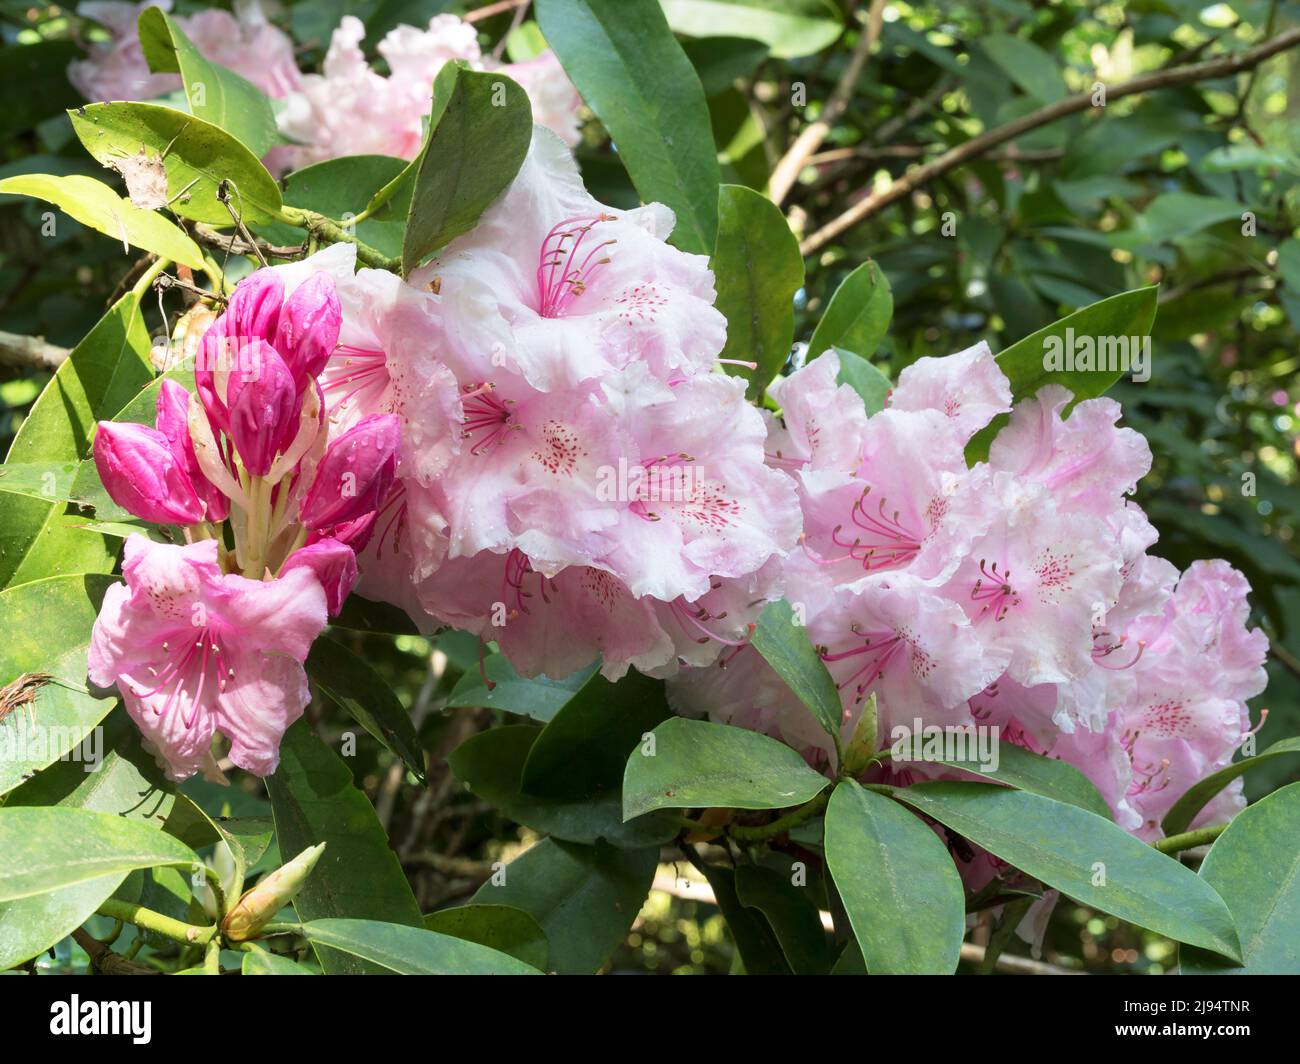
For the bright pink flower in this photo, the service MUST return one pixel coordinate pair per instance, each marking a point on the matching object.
(143, 475)
(173, 422)
(195, 651)
(263, 406)
(355, 474)
(334, 565)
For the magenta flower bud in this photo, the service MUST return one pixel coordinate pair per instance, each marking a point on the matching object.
(335, 566)
(254, 307)
(173, 422)
(355, 473)
(142, 474)
(308, 328)
(264, 406)
(251, 314)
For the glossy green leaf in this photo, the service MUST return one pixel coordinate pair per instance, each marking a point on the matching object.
(899, 886)
(412, 950)
(479, 131)
(1016, 767)
(491, 764)
(757, 945)
(126, 783)
(108, 367)
(632, 72)
(791, 913)
(1084, 856)
(258, 961)
(858, 315)
(693, 764)
(1255, 867)
(502, 927)
(94, 204)
(585, 898)
(1196, 797)
(538, 697)
(865, 379)
(1026, 363)
(341, 189)
(758, 268)
(46, 626)
(196, 155)
(358, 875)
(790, 28)
(365, 695)
(785, 646)
(49, 848)
(1027, 65)
(215, 94)
(585, 746)
(34, 83)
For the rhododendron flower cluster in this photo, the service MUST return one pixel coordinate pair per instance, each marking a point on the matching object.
(1014, 593)
(210, 636)
(347, 109)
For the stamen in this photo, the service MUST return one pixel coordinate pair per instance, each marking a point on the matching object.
(561, 276)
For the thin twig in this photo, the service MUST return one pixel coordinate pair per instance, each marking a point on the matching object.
(792, 163)
(29, 352)
(977, 146)
(234, 244)
(479, 14)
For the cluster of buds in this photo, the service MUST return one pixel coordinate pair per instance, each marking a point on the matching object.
(253, 448)
(274, 499)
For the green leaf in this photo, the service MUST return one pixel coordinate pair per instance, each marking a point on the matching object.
(215, 94)
(865, 379)
(49, 848)
(1084, 856)
(491, 765)
(698, 765)
(94, 204)
(1027, 65)
(34, 83)
(1127, 315)
(501, 927)
(1016, 767)
(1255, 867)
(479, 131)
(358, 689)
(258, 961)
(585, 898)
(127, 784)
(632, 72)
(314, 800)
(792, 915)
(758, 269)
(858, 315)
(585, 746)
(412, 950)
(540, 698)
(899, 886)
(1197, 796)
(196, 155)
(108, 367)
(790, 28)
(1177, 214)
(46, 626)
(757, 944)
(341, 188)
(785, 646)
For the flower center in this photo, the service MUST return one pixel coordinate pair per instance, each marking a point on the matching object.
(568, 262)
(488, 414)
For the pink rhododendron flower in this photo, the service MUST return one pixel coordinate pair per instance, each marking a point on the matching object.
(244, 42)
(195, 650)
(351, 109)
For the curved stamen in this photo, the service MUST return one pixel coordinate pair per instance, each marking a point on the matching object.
(561, 276)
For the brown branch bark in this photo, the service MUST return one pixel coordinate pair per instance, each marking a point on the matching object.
(29, 352)
(787, 170)
(977, 146)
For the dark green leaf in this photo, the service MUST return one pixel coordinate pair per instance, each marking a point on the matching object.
(758, 269)
(785, 646)
(791, 913)
(698, 765)
(899, 886)
(540, 698)
(501, 927)
(585, 898)
(1183, 812)
(412, 950)
(790, 28)
(858, 315)
(1084, 856)
(865, 379)
(632, 72)
(34, 83)
(258, 961)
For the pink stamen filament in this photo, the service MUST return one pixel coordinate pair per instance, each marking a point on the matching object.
(485, 412)
(561, 279)
(177, 672)
(1099, 654)
(889, 543)
(695, 615)
(997, 594)
(882, 651)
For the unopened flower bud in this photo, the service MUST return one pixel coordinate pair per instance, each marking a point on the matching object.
(258, 905)
(173, 422)
(355, 473)
(335, 566)
(865, 740)
(308, 327)
(263, 406)
(141, 473)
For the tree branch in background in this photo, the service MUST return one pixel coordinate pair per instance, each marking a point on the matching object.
(977, 146)
(29, 352)
(787, 170)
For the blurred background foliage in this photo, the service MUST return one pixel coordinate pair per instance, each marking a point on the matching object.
(1194, 188)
